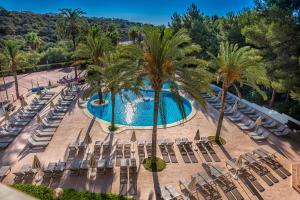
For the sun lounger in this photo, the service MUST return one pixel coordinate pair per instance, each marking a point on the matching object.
(174, 193)
(164, 153)
(278, 129)
(262, 171)
(101, 166)
(203, 151)
(183, 153)
(18, 123)
(4, 140)
(170, 149)
(270, 160)
(190, 152)
(4, 145)
(34, 144)
(119, 153)
(243, 174)
(286, 131)
(84, 167)
(296, 176)
(4, 171)
(48, 171)
(59, 169)
(207, 188)
(228, 187)
(127, 150)
(109, 165)
(141, 150)
(41, 139)
(75, 167)
(237, 117)
(123, 176)
(40, 133)
(149, 149)
(165, 195)
(259, 134)
(211, 151)
(271, 125)
(247, 126)
(54, 117)
(49, 124)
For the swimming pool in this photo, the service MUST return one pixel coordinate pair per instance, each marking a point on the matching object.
(139, 110)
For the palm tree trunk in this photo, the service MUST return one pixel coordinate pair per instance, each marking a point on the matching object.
(113, 98)
(272, 98)
(100, 96)
(220, 121)
(74, 48)
(16, 85)
(154, 130)
(5, 88)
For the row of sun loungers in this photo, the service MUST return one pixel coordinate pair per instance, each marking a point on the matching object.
(245, 118)
(16, 124)
(49, 124)
(205, 183)
(128, 174)
(255, 160)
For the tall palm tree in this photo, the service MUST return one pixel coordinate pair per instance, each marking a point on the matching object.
(33, 40)
(170, 57)
(236, 65)
(118, 74)
(11, 50)
(70, 25)
(93, 48)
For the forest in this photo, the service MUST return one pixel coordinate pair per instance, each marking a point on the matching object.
(272, 28)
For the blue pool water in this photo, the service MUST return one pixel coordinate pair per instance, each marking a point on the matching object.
(139, 110)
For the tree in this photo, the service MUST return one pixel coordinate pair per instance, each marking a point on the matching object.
(165, 57)
(234, 66)
(11, 50)
(191, 15)
(133, 34)
(93, 48)
(176, 22)
(3, 62)
(33, 40)
(69, 25)
(112, 33)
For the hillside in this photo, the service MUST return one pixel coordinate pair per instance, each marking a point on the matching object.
(17, 24)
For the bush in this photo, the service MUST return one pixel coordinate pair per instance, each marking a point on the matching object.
(158, 166)
(40, 192)
(44, 193)
(55, 55)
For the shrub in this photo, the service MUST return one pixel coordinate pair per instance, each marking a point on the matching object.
(158, 166)
(55, 55)
(40, 192)
(44, 193)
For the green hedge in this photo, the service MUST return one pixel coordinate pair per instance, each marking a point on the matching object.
(44, 193)
(36, 68)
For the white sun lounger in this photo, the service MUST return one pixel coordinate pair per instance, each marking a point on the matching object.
(34, 144)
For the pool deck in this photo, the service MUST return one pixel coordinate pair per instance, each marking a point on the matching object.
(18, 154)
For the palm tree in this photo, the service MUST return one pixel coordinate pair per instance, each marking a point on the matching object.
(170, 57)
(93, 47)
(69, 25)
(133, 34)
(33, 40)
(236, 65)
(11, 50)
(118, 74)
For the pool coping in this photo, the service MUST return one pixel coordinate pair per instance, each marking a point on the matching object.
(121, 128)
